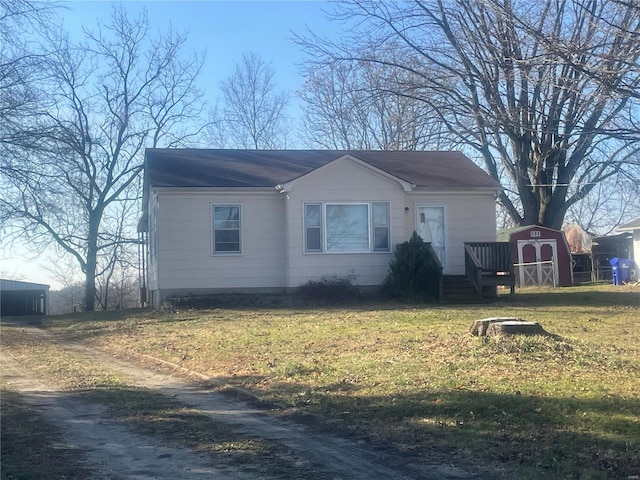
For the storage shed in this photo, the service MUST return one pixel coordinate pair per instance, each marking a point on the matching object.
(541, 256)
(23, 298)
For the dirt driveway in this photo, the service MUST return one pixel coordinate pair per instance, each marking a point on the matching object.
(114, 451)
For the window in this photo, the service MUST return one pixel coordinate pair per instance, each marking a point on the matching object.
(226, 229)
(313, 227)
(381, 227)
(347, 227)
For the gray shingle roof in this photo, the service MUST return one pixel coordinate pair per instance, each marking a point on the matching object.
(175, 167)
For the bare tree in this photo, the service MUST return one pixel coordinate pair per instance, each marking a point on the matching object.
(251, 113)
(544, 92)
(107, 98)
(117, 261)
(20, 70)
(349, 105)
(612, 203)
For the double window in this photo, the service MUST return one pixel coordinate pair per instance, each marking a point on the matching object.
(346, 227)
(226, 229)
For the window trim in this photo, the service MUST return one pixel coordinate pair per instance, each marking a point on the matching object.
(323, 228)
(212, 230)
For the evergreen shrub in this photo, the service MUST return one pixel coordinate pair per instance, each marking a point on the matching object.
(415, 272)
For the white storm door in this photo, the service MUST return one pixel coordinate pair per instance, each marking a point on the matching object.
(430, 225)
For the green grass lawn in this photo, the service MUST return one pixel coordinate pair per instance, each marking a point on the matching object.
(565, 406)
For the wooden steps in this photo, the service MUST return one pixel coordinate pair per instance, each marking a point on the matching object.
(459, 289)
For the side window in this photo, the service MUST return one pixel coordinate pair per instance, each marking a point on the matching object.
(381, 227)
(226, 229)
(313, 227)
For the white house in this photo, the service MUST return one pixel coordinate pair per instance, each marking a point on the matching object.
(634, 227)
(269, 221)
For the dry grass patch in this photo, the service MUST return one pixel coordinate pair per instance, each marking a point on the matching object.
(553, 407)
(143, 410)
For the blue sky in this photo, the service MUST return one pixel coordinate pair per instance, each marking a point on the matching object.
(227, 30)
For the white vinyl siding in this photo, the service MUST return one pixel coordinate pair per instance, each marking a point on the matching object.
(467, 218)
(346, 227)
(153, 236)
(153, 233)
(344, 182)
(186, 242)
(226, 228)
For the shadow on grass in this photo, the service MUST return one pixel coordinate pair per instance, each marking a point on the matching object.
(535, 437)
(538, 437)
(576, 297)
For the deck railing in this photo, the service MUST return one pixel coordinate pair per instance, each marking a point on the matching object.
(495, 257)
(489, 264)
(473, 268)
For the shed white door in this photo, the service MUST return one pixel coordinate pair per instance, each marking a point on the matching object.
(537, 262)
(430, 225)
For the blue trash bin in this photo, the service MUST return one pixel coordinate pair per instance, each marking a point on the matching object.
(614, 262)
(624, 270)
(621, 270)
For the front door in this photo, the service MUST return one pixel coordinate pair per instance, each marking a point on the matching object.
(537, 262)
(430, 225)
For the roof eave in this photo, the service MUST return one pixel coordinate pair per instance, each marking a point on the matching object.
(456, 190)
(214, 189)
(630, 226)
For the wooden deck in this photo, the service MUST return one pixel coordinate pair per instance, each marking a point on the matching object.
(489, 265)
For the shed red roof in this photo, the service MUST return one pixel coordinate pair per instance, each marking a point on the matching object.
(175, 167)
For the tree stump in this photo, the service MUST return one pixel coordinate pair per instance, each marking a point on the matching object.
(506, 326)
(480, 327)
(515, 328)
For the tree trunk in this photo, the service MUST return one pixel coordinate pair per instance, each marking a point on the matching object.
(92, 262)
(90, 283)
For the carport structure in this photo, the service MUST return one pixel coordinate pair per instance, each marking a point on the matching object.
(23, 298)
